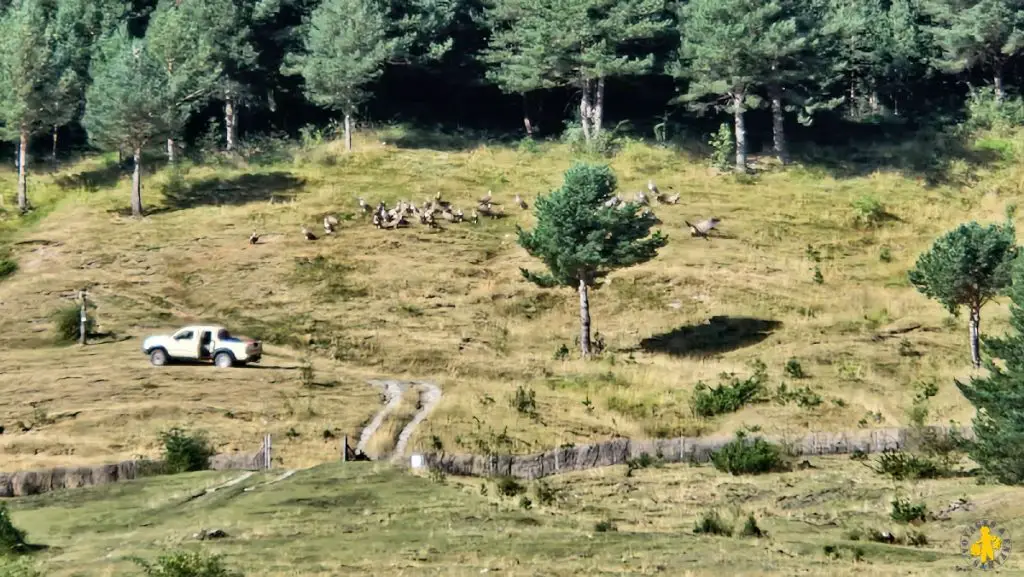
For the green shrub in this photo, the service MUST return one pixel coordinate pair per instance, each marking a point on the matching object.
(917, 539)
(67, 323)
(546, 494)
(794, 369)
(606, 526)
(750, 528)
(711, 524)
(903, 511)
(905, 466)
(184, 451)
(183, 564)
(743, 457)
(509, 487)
(524, 401)
(723, 147)
(7, 266)
(868, 211)
(731, 395)
(642, 462)
(12, 539)
(804, 397)
(986, 112)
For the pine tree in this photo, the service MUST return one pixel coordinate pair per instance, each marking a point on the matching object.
(75, 28)
(998, 446)
(28, 78)
(129, 102)
(345, 48)
(968, 266)
(179, 36)
(732, 48)
(544, 44)
(871, 49)
(580, 240)
(986, 33)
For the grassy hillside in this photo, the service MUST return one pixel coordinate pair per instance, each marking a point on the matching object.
(451, 306)
(362, 519)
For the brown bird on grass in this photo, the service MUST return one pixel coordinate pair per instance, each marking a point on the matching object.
(309, 235)
(703, 227)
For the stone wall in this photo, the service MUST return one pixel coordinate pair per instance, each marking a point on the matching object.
(43, 481)
(678, 450)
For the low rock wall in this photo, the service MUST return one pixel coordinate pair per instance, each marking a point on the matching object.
(678, 450)
(43, 481)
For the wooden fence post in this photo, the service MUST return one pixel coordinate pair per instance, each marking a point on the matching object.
(266, 452)
(344, 449)
(83, 318)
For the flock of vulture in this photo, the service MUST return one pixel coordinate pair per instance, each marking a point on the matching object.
(430, 211)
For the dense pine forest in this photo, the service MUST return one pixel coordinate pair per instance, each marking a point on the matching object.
(781, 74)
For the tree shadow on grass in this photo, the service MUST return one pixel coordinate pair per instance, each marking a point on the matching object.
(720, 334)
(105, 176)
(438, 139)
(236, 190)
(935, 156)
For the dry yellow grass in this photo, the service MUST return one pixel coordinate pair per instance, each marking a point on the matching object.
(450, 306)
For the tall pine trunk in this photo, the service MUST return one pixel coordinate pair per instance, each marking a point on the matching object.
(526, 116)
(585, 106)
(975, 326)
(597, 114)
(584, 319)
(137, 183)
(348, 132)
(22, 172)
(53, 151)
(170, 150)
(741, 132)
(778, 125)
(230, 123)
(997, 83)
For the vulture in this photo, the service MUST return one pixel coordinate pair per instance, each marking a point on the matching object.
(330, 221)
(641, 198)
(363, 206)
(309, 235)
(703, 227)
(665, 199)
(652, 187)
(522, 203)
(486, 199)
(254, 238)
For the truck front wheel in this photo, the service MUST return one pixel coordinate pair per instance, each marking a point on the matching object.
(158, 357)
(223, 360)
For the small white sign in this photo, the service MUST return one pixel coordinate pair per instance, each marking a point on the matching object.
(417, 461)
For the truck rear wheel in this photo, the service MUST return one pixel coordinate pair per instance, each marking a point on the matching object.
(158, 357)
(223, 360)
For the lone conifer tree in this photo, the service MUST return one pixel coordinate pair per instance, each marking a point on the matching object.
(580, 240)
(967, 266)
(999, 398)
(345, 48)
(129, 102)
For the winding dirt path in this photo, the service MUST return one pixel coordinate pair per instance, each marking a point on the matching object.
(430, 395)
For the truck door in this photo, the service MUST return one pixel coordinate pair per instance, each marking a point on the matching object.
(205, 342)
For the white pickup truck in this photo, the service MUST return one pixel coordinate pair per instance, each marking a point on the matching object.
(202, 343)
